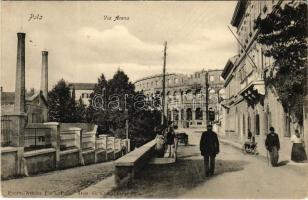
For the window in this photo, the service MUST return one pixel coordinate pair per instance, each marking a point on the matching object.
(287, 132)
(41, 138)
(211, 78)
(198, 114)
(176, 80)
(257, 124)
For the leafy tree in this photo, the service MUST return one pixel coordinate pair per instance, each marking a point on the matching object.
(113, 102)
(284, 32)
(80, 111)
(142, 127)
(59, 101)
(96, 111)
(74, 114)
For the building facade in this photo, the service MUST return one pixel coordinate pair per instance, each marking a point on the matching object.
(249, 104)
(185, 95)
(36, 106)
(82, 91)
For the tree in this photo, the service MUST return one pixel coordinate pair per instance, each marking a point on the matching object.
(80, 111)
(284, 32)
(142, 126)
(96, 111)
(74, 114)
(59, 102)
(113, 102)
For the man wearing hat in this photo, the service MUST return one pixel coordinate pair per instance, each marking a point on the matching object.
(273, 145)
(209, 147)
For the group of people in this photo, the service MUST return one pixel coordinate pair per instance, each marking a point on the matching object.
(273, 145)
(166, 141)
(209, 146)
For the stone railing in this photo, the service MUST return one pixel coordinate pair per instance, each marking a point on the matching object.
(129, 165)
(66, 148)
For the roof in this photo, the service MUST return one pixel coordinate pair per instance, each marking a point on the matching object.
(178, 74)
(153, 76)
(8, 98)
(82, 86)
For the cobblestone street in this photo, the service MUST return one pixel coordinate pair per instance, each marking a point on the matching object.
(57, 183)
(236, 176)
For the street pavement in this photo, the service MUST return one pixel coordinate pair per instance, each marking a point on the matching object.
(237, 175)
(58, 183)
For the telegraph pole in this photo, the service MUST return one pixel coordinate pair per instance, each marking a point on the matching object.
(305, 110)
(164, 82)
(126, 128)
(207, 97)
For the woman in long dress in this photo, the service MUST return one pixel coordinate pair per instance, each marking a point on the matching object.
(298, 150)
(160, 142)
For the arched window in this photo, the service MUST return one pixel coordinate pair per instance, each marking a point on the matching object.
(182, 114)
(175, 115)
(198, 114)
(257, 124)
(188, 114)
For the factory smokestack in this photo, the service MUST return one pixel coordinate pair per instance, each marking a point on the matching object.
(19, 106)
(44, 74)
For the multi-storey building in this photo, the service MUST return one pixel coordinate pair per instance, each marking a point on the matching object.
(82, 91)
(249, 104)
(185, 95)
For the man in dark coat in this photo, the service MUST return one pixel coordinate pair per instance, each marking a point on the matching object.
(209, 147)
(273, 145)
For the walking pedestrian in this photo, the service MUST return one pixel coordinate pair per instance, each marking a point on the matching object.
(175, 141)
(209, 147)
(298, 148)
(249, 135)
(170, 140)
(160, 142)
(273, 145)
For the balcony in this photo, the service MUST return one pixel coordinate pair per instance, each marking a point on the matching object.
(254, 92)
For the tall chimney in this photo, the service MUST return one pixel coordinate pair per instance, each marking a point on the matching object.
(44, 74)
(19, 106)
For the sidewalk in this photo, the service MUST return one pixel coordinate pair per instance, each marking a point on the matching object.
(283, 159)
(97, 190)
(235, 177)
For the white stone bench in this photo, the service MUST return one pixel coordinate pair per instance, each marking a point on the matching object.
(127, 166)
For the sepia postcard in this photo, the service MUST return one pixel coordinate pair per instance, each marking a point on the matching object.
(154, 99)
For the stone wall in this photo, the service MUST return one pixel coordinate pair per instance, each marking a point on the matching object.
(8, 162)
(81, 149)
(40, 161)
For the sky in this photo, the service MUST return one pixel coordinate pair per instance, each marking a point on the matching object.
(82, 43)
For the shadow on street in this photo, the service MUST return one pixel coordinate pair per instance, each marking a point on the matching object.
(171, 180)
